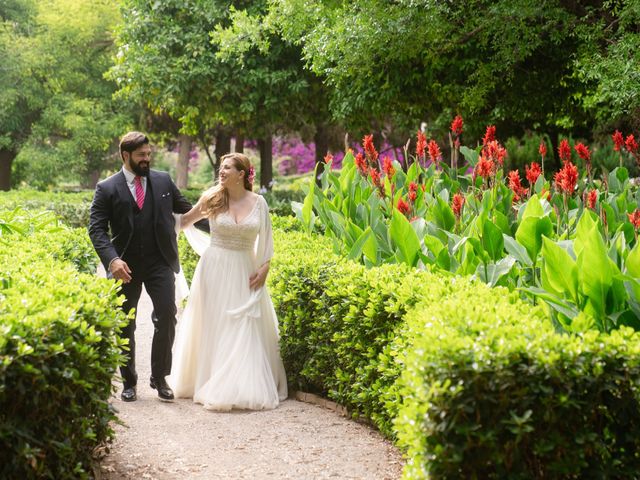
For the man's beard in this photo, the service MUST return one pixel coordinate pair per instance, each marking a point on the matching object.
(139, 170)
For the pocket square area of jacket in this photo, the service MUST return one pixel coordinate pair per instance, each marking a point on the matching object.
(168, 194)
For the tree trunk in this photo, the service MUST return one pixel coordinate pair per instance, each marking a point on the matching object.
(239, 147)
(182, 167)
(92, 179)
(321, 140)
(266, 162)
(6, 160)
(222, 147)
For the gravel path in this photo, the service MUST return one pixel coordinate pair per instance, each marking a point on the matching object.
(181, 440)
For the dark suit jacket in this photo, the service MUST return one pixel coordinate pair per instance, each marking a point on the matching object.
(111, 217)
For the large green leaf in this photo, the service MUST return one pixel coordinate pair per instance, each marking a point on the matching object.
(517, 251)
(530, 232)
(404, 237)
(442, 214)
(492, 241)
(560, 270)
(595, 274)
(493, 272)
(366, 244)
(632, 262)
(307, 208)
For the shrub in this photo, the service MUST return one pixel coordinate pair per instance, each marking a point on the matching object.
(487, 393)
(71, 208)
(58, 353)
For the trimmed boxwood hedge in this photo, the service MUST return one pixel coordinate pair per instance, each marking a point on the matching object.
(58, 353)
(488, 394)
(469, 380)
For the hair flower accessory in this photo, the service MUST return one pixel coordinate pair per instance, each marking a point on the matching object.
(252, 174)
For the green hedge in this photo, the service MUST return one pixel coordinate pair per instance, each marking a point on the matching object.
(488, 394)
(58, 352)
(473, 382)
(71, 208)
(470, 381)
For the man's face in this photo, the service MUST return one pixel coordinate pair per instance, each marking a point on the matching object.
(139, 160)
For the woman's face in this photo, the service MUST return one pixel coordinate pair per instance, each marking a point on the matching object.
(229, 174)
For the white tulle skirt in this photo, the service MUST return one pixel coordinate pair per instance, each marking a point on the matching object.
(226, 352)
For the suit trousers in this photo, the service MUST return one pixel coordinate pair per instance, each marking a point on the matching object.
(159, 281)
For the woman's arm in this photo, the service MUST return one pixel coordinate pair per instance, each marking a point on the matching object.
(193, 215)
(258, 279)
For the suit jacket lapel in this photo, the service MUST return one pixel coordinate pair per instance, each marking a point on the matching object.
(125, 194)
(155, 193)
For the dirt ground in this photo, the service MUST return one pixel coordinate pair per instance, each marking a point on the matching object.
(181, 440)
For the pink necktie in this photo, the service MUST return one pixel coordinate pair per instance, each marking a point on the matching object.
(139, 192)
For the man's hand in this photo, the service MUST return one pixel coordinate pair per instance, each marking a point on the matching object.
(257, 280)
(120, 270)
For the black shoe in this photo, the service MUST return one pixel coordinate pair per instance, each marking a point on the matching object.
(129, 394)
(164, 391)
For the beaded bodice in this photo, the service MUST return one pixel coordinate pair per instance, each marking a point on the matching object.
(226, 233)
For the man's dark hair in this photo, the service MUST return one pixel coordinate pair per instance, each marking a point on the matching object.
(132, 141)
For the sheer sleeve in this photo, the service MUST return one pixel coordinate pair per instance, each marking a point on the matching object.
(199, 241)
(264, 243)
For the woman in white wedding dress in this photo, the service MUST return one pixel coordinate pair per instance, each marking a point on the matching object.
(226, 353)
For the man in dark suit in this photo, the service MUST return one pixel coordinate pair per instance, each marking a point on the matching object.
(131, 227)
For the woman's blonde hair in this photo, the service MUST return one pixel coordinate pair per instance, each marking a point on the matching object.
(215, 200)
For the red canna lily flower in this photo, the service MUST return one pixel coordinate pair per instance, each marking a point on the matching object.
(413, 187)
(634, 218)
(375, 176)
(567, 178)
(361, 163)
(370, 149)
(618, 141)
(456, 126)
(591, 198)
(328, 158)
(542, 149)
(495, 152)
(490, 135)
(583, 152)
(387, 166)
(412, 196)
(403, 206)
(516, 186)
(434, 152)
(421, 145)
(485, 167)
(631, 145)
(456, 204)
(532, 173)
(564, 151)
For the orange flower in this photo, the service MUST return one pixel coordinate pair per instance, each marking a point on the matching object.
(403, 206)
(387, 166)
(567, 178)
(564, 151)
(618, 140)
(490, 134)
(542, 149)
(634, 218)
(434, 152)
(592, 198)
(421, 144)
(361, 163)
(532, 173)
(456, 126)
(516, 186)
(485, 166)
(456, 204)
(370, 149)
